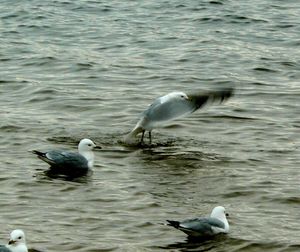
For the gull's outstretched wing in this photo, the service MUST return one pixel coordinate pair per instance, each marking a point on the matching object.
(171, 106)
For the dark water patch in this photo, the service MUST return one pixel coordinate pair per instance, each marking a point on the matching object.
(289, 200)
(243, 19)
(216, 2)
(183, 60)
(232, 117)
(34, 27)
(265, 69)
(240, 194)
(86, 65)
(285, 26)
(63, 2)
(271, 246)
(34, 250)
(10, 16)
(114, 46)
(209, 20)
(5, 59)
(281, 151)
(178, 157)
(180, 6)
(262, 84)
(64, 139)
(45, 61)
(40, 99)
(44, 90)
(11, 128)
(5, 81)
(149, 146)
(289, 63)
(40, 17)
(11, 32)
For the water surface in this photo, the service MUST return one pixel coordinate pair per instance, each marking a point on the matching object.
(75, 69)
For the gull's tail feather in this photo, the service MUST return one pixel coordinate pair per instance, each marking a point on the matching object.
(130, 137)
(39, 153)
(43, 156)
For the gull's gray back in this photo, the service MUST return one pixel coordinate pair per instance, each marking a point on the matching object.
(201, 225)
(169, 110)
(67, 159)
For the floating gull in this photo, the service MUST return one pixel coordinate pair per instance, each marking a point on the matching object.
(205, 226)
(16, 242)
(70, 163)
(172, 106)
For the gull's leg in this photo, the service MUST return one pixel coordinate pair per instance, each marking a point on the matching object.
(142, 138)
(150, 137)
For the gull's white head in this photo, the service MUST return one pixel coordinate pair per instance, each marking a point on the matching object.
(86, 145)
(85, 148)
(17, 241)
(219, 213)
(178, 95)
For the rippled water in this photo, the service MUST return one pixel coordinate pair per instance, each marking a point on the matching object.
(74, 69)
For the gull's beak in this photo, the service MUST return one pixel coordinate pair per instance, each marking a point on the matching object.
(97, 147)
(10, 242)
(227, 214)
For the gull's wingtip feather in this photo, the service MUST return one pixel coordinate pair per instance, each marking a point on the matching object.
(39, 153)
(172, 223)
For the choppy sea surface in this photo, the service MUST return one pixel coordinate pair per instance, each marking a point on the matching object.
(75, 69)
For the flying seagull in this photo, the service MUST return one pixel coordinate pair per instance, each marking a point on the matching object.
(70, 163)
(204, 226)
(16, 242)
(172, 106)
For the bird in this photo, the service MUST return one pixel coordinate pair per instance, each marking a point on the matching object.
(70, 163)
(204, 226)
(173, 106)
(16, 242)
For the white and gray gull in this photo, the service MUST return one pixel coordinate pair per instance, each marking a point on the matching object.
(70, 163)
(204, 226)
(173, 106)
(16, 242)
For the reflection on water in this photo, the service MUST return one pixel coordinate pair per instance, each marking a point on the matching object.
(230, 244)
(199, 244)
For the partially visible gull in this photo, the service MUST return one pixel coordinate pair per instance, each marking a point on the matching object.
(16, 242)
(204, 226)
(70, 163)
(172, 106)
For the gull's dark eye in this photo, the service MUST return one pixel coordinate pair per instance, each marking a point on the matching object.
(89, 145)
(19, 237)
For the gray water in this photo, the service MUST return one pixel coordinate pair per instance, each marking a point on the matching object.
(75, 69)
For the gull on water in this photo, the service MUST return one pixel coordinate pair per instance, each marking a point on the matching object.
(204, 226)
(172, 106)
(70, 163)
(16, 242)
